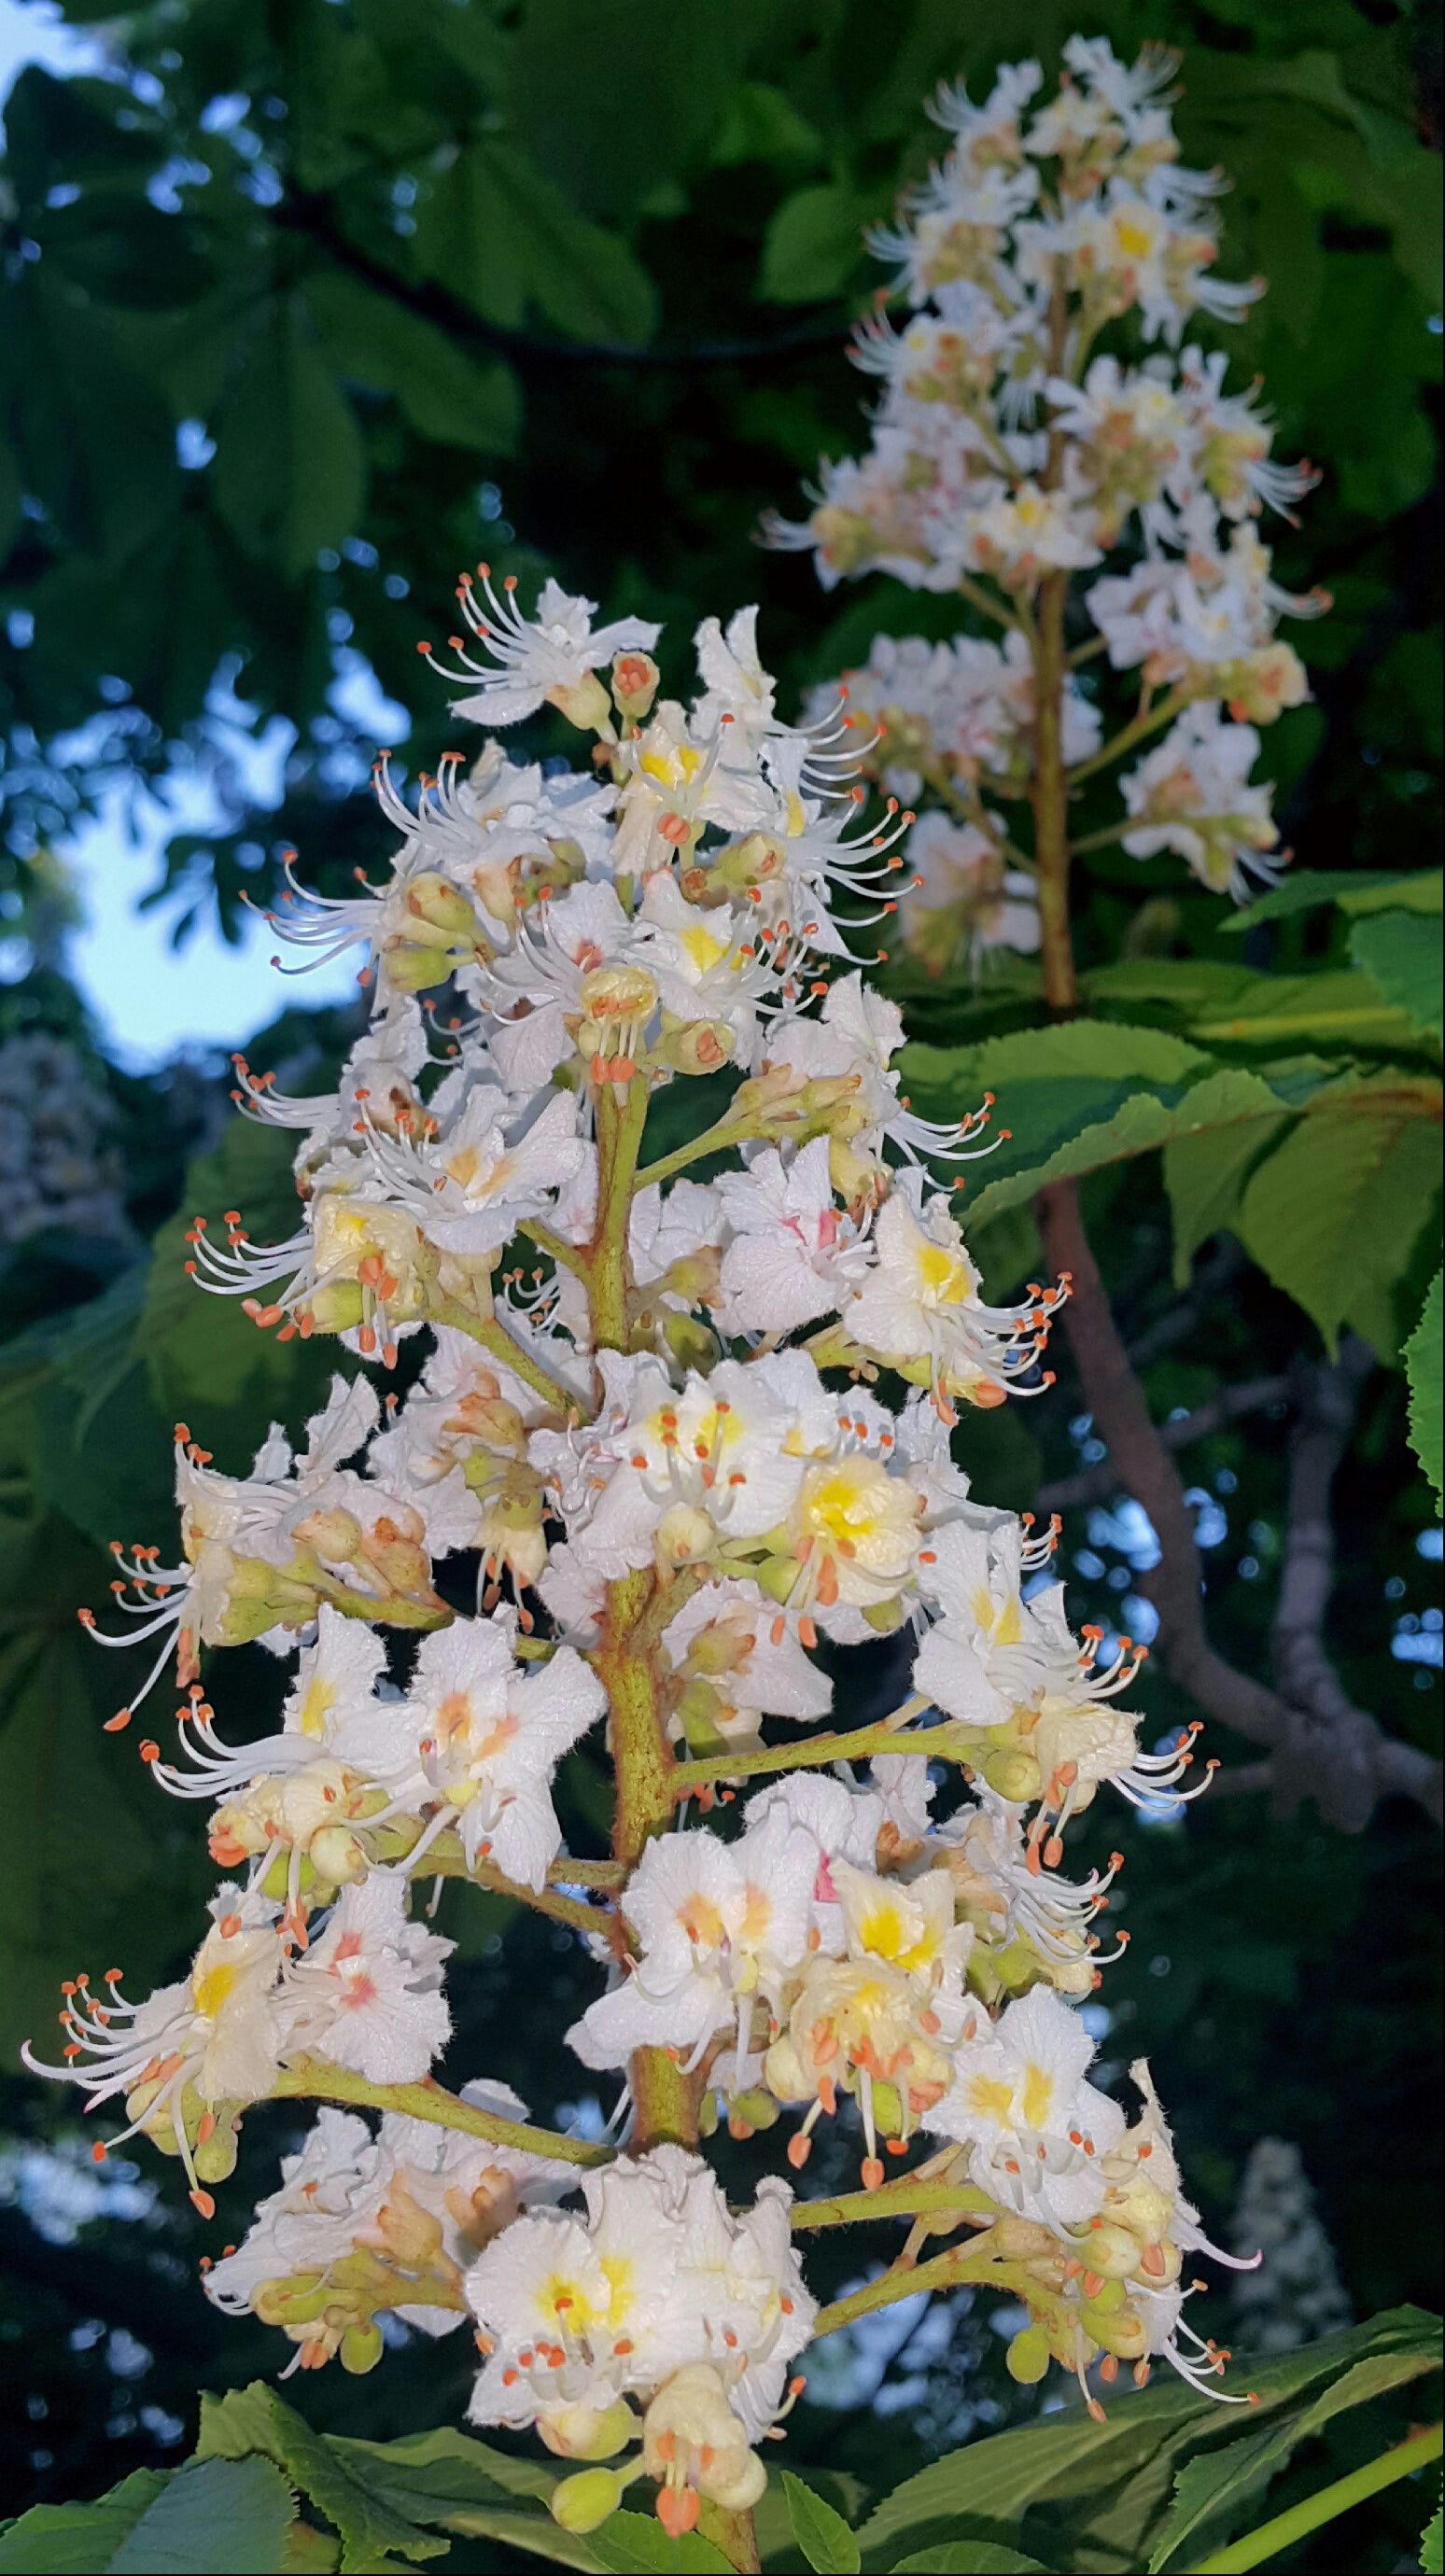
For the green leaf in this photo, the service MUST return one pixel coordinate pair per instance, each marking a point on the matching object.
(255, 2419)
(1356, 890)
(289, 468)
(78, 2539)
(824, 2538)
(230, 2517)
(1216, 2486)
(1204, 1175)
(575, 69)
(448, 2478)
(501, 236)
(966, 2558)
(635, 2544)
(1404, 961)
(1432, 2544)
(814, 243)
(761, 124)
(1236, 1006)
(1423, 1369)
(458, 400)
(1076, 1097)
(1335, 1212)
(1112, 2480)
(1212, 2491)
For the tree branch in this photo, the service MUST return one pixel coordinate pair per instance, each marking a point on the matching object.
(1338, 1755)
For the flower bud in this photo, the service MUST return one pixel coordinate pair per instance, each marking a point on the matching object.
(215, 2157)
(1118, 2331)
(634, 684)
(361, 2348)
(1014, 1776)
(337, 1857)
(691, 1343)
(684, 1536)
(438, 908)
(588, 2432)
(294, 2300)
(580, 2503)
(1028, 2356)
(755, 861)
(698, 1046)
(334, 1535)
(585, 704)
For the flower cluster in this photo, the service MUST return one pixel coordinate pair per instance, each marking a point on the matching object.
(58, 1158)
(691, 1433)
(1020, 454)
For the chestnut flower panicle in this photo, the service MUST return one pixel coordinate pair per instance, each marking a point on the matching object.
(695, 1437)
(1048, 431)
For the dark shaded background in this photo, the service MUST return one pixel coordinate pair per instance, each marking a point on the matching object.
(307, 305)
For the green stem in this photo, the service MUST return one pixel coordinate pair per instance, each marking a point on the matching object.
(316, 2079)
(619, 1134)
(566, 1255)
(1136, 730)
(713, 1140)
(978, 598)
(952, 1742)
(943, 2272)
(1101, 840)
(644, 1768)
(1270, 2538)
(906, 2198)
(445, 1858)
(735, 2534)
(393, 1608)
(495, 1338)
(626, 1655)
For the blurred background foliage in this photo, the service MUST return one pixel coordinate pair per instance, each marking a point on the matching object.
(310, 303)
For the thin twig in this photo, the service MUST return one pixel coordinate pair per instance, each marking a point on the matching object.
(1346, 1762)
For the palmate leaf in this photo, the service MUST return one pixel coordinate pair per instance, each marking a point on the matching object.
(1212, 2491)
(1401, 957)
(824, 2538)
(1333, 1216)
(966, 2558)
(635, 2544)
(376, 340)
(1355, 890)
(402, 2498)
(1101, 2491)
(228, 2517)
(500, 235)
(290, 467)
(1423, 1368)
(1077, 1097)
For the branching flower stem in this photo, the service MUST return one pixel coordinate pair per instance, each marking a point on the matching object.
(947, 2271)
(950, 1742)
(316, 2079)
(664, 2098)
(494, 1337)
(909, 2197)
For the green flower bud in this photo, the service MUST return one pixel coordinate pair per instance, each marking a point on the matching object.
(1014, 1776)
(580, 2503)
(1028, 2356)
(361, 2349)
